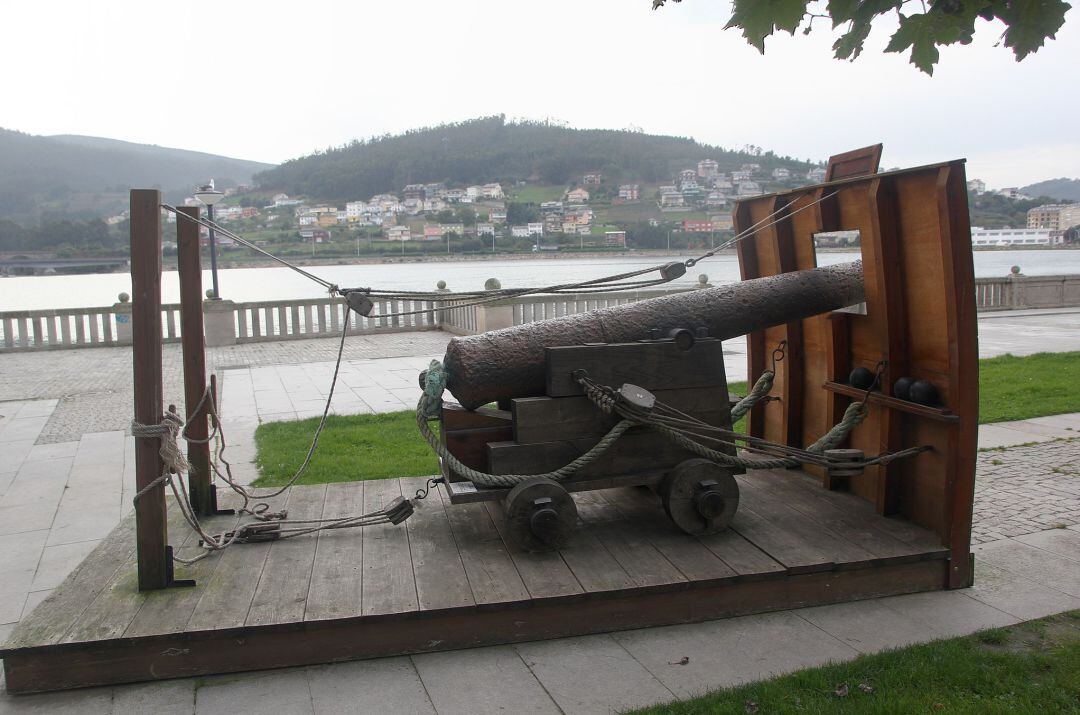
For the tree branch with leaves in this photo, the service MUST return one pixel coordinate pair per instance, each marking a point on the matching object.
(924, 25)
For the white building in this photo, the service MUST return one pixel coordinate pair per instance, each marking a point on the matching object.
(519, 231)
(707, 168)
(781, 173)
(749, 188)
(491, 191)
(977, 186)
(1013, 237)
(816, 174)
(485, 229)
(535, 229)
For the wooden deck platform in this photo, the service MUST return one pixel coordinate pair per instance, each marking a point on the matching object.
(448, 579)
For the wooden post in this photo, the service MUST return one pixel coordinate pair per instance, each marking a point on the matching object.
(151, 529)
(189, 266)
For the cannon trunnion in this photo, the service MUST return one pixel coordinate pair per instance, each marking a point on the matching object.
(534, 435)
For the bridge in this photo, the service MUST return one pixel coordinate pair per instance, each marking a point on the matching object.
(36, 265)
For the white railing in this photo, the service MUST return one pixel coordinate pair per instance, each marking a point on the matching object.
(76, 327)
(321, 317)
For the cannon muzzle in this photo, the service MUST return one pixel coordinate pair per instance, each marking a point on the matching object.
(507, 363)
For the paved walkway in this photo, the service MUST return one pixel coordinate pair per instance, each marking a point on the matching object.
(66, 479)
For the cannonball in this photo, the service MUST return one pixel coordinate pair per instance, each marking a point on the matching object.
(441, 285)
(901, 389)
(1015, 270)
(124, 297)
(923, 392)
(861, 378)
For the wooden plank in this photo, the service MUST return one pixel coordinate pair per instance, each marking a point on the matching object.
(114, 607)
(545, 574)
(226, 595)
(854, 525)
(336, 589)
(546, 419)
(456, 417)
(441, 581)
(150, 516)
(281, 596)
(645, 514)
(593, 566)
(837, 367)
(639, 449)
(189, 268)
(171, 613)
(492, 575)
(470, 446)
(51, 621)
(389, 586)
(190, 654)
(651, 365)
(749, 269)
(804, 544)
(790, 377)
(858, 162)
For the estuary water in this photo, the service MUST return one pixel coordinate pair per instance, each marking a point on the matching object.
(250, 284)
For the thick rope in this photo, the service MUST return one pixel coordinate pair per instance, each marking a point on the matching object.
(760, 391)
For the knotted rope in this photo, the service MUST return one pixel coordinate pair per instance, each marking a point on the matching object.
(168, 432)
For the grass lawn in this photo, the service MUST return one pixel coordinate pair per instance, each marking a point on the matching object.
(389, 445)
(1032, 667)
(1018, 388)
(536, 194)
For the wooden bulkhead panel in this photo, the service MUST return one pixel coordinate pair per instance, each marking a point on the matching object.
(920, 318)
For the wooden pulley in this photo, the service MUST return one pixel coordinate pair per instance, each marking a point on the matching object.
(540, 514)
(852, 456)
(700, 496)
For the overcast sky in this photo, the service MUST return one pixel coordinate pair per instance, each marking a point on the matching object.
(287, 78)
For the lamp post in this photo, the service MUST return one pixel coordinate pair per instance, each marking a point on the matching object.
(209, 196)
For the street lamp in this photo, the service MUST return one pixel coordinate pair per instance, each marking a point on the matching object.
(209, 196)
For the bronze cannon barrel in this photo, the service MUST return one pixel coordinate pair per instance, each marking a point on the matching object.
(506, 363)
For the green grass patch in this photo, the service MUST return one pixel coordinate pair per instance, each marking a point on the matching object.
(536, 194)
(389, 445)
(1019, 388)
(351, 448)
(1027, 668)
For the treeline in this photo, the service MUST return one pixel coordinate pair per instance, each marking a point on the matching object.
(492, 149)
(75, 236)
(990, 210)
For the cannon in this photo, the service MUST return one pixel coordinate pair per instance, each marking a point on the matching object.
(528, 401)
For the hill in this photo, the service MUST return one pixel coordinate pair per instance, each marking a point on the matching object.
(492, 149)
(78, 177)
(1062, 189)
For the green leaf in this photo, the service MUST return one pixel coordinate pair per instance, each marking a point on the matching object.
(918, 33)
(1031, 23)
(760, 18)
(842, 11)
(850, 44)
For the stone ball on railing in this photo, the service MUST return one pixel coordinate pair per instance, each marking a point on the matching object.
(123, 297)
(1015, 270)
(492, 284)
(703, 281)
(210, 294)
(441, 285)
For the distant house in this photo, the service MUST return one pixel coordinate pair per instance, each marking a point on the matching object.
(781, 173)
(689, 185)
(697, 226)
(485, 229)
(433, 205)
(594, 179)
(327, 219)
(816, 174)
(687, 175)
(742, 175)
(577, 196)
(551, 207)
(314, 235)
(749, 188)
(413, 205)
(715, 199)
(307, 219)
(455, 228)
(722, 222)
(751, 167)
(615, 238)
(519, 231)
(472, 193)
(491, 191)
(497, 215)
(630, 192)
(707, 168)
(535, 229)
(434, 191)
(399, 233)
(977, 186)
(671, 199)
(454, 196)
(414, 191)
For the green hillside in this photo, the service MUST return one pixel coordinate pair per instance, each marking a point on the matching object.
(492, 149)
(1061, 189)
(77, 177)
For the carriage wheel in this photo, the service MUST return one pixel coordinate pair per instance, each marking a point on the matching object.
(541, 514)
(700, 496)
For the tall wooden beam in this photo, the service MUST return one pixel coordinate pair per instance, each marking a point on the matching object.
(151, 531)
(189, 266)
